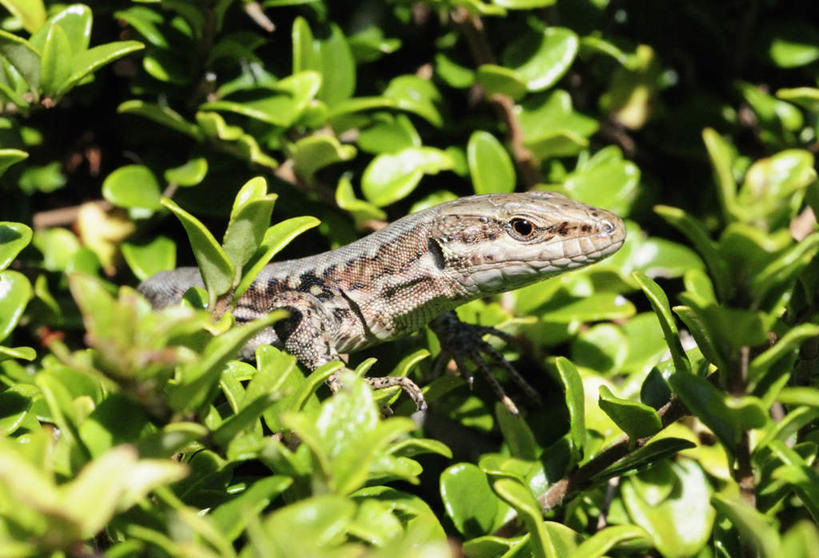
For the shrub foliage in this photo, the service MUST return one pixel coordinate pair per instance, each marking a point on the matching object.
(679, 376)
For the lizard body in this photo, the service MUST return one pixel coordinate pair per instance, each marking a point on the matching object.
(413, 273)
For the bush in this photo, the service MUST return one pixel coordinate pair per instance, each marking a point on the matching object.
(675, 430)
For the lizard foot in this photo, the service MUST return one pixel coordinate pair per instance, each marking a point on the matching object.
(465, 344)
(407, 386)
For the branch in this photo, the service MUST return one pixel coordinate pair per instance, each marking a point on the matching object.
(472, 28)
(581, 477)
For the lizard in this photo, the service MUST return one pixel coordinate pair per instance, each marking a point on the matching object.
(412, 273)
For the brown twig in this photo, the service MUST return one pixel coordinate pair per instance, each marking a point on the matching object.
(254, 11)
(472, 28)
(582, 477)
(64, 216)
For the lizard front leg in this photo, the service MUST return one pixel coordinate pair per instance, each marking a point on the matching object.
(309, 334)
(465, 344)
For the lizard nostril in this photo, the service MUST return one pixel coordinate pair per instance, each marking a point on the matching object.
(606, 227)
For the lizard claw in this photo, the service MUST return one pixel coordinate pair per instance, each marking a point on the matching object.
(384, 382)
(465, 344)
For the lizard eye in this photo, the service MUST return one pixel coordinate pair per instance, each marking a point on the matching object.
(522, 228)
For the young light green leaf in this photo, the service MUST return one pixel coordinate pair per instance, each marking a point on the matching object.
(217, 269)
(468, 499)
(188, 174)
(132, 186)
(315, 152)
(249, 219)
(161, 115)
(391, 177)
(10, 156)
(521, 498)
(500, 80)
(23, 57)
(13, 238)
(601, 542)
(719, 151)
(149, 259)
(31, 13)
(91, 60)
(55, 63)
(16, 292)
(754, 527)
(490, 166)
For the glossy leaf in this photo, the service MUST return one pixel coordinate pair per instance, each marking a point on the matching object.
(10, 156)
(13, 238)
(161, 115)
(680, 524)
(23, 57)
(91, 60)
(15, 292)
(31, 13)
(520, 498)
(754, 527)
(468, 499)
(551, 128)
(541, 62)
(132, 186)
(659, 303)
(490, 166)
(315, 152)
(653, 452)
(391, 177)
(217, 269)
(575, 403)
(189, 174)
(249, 221)
(634, 418)
(501, 80)
(416, 95)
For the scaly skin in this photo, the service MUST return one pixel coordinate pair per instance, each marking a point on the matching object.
(414, 272)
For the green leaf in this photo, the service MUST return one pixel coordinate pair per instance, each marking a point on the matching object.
(517, 434)
(490, 166)
(575, 403)
(161, 115)
(55, 63)
(245, 418)
(149, 259)
(275, 238)
(653, 452)
(659, 303)
(793, 44)
(316, 152)
(782, 271)
(721, 156)
(132, 186)
(541, 58)
(801, 477)
(16, 292)
(22, 353)
(551, 128)
(195, 387)
(189, 174)
(76, 21)
(599, 544)
(217, 269)
(360, 209)
(698, 236)
(15, 405)
(599, 306)
(13, 238)
(468, 499)
(416, 95)
(23, 57)
(754, 528)
(634, 418)
(524, 4)
(391, 177)
(31, 13)
(605, 180)
(727, 417)
(806, 97)
(232, 517)
(680, 524)
(520, 498)
(499, 80)
(249, 220)
(10, 156)
(787, 344)
(91, 60)
(388, 135)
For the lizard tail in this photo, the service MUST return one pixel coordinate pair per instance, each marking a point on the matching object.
(167, 287)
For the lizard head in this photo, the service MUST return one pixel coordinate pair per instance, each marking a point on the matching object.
(498, 242)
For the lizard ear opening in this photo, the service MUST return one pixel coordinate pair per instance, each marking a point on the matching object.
(437, 253)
